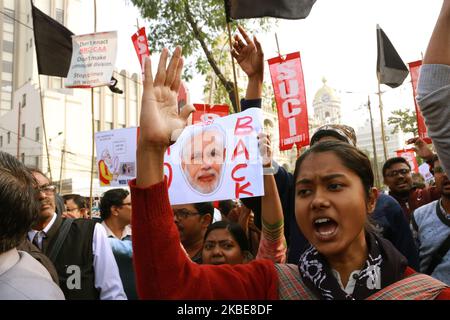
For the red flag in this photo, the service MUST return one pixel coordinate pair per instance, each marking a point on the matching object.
(289, 88)
(141, 45)
(206, 112)
(414, 69)
(410, 156)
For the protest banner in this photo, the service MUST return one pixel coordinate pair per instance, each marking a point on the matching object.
(211, 161)
(141, 46)
(206, 112)
(414, 69)
(116, 156)
(216, 160)
(93, 59)
(410, 156)
(290, 96)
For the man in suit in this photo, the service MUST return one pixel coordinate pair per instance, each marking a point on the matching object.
(78, 248)
(21, 276)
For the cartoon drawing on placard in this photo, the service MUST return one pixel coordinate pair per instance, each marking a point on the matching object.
(108, 168)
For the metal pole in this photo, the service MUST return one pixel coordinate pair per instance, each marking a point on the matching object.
(278, 45)
(93, 127)
(63, 152)
(44, 129)
(236, 92)
(383, 136)
(18, 130)
(375, 158)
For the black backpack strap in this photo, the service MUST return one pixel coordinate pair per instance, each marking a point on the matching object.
(439, 254)
(62, 235)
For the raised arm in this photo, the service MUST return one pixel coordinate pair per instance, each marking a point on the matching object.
(162, 269)
(438, 50)
(250, 57)
(160, 121)
(433, 90)
(273, 243)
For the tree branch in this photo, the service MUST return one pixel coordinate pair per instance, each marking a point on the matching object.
(228, 85)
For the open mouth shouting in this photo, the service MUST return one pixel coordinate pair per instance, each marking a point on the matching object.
(325, 228)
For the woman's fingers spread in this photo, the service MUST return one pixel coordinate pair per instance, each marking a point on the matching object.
(148, 77)
(173, 67)
(160, 77)
(245, 35)
(177, 81)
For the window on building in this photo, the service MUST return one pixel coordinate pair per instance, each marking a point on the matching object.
(8, 137)
(22, 157)
(36, 162)
(109, 126)
(8, 46)
(23, 130)
(60, 15)
(97, 125)
(26, 47)
(1, 141)
(38, 134)
(9, 15)
(24, 100)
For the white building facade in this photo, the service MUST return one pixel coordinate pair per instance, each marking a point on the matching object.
(67, 113)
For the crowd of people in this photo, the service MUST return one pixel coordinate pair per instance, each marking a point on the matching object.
(323, 232)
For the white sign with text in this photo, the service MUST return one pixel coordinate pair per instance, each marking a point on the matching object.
(116, 156)
(93, 59)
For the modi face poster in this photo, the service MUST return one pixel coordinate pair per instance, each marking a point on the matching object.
(210, 161)
(116, 156)
(93, 59)
(216, 160)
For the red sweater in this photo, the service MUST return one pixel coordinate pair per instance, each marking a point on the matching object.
(163, 271)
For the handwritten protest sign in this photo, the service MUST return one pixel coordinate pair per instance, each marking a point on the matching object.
(116, 156)
(93, 59)
(211, 161)
(217, 160)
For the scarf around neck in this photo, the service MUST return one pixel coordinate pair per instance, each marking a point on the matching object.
(384, 266)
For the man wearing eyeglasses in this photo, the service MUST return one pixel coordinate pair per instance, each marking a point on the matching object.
(432, 225)
(78, 248)
(397, 176)
(76, 207)
(192, 220)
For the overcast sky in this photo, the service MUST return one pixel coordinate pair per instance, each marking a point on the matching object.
(337, 41)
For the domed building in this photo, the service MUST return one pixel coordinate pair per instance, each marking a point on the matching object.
(327, 106)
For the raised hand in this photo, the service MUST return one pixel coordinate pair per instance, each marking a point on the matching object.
(248, 54)
(160, 120)
(265, 149)
(421, 148)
